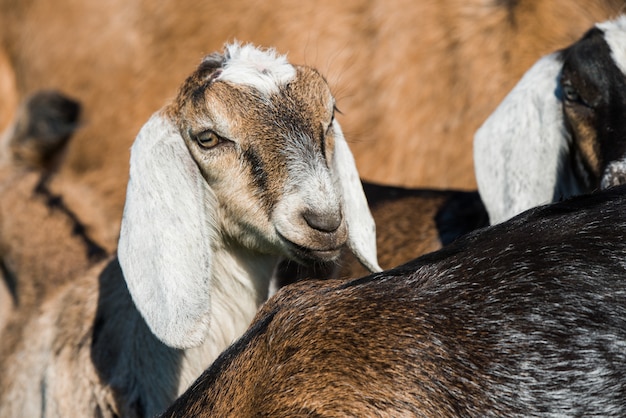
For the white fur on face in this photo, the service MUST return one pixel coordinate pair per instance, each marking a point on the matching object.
(614, 31)
(264, 70)
(310, 187)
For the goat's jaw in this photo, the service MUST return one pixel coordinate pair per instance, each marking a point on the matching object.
(307, 254)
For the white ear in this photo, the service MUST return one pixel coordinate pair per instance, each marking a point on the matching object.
(521, 152)
(361, 226)
(165, 240)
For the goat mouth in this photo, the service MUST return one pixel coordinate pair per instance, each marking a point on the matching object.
(308, 255)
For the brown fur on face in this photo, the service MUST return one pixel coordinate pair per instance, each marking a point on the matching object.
(266, 146)
(585, 137)
(414, 79)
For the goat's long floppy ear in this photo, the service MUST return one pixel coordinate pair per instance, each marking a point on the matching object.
(164, 247)
(361, 226)
(521, 151)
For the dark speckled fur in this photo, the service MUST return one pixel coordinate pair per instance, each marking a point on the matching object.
(525, 318)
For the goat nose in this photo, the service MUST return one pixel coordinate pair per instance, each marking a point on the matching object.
(321, 221)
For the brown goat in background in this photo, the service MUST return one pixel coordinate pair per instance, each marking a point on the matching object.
(42, 243)
(414, 79)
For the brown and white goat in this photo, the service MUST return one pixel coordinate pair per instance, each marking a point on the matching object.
(524, 318)
(246, 166)
(415, 78)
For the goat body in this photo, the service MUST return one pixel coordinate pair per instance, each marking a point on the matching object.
(35, 224)
(525, 318)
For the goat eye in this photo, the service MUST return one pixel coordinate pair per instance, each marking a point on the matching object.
(329, 128)
(330, 125)
(570, 94)
(207, 139)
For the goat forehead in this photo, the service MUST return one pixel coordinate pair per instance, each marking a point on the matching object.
(299, 109)
(264, 70)
(591, 62)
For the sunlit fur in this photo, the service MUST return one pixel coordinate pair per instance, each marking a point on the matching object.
(263, 70)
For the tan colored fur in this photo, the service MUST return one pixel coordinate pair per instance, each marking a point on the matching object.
(42, 244)
(58, 358)
(42, 252)
(413, 78)
(406, 229)
(587, 143)
(8, 91)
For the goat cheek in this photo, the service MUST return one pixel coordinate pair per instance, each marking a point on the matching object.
(580, 120)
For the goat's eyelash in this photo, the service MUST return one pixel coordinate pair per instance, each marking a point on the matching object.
(329, 127)
(208, 139)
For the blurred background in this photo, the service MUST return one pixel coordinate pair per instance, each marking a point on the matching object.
(413, 78)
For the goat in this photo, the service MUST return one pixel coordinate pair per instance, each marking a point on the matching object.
(34, 223)
(524, 318)
(560, 131)
(431, 74)
(245, 166)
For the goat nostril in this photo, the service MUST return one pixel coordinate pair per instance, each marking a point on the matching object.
(322, 221)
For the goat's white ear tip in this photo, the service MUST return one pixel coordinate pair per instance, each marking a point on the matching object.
(363, 246)
(371, 263)
(375, 268)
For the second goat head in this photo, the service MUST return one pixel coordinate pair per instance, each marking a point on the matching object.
(561, 130)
